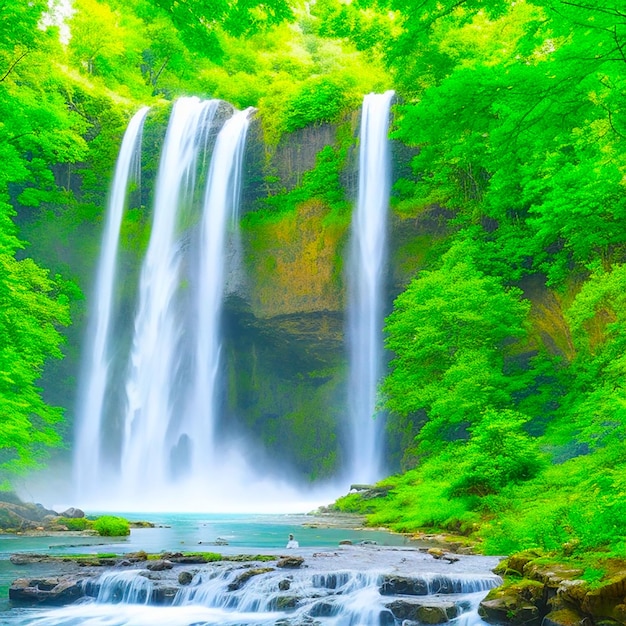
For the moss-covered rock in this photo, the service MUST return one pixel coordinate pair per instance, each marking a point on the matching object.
(520, 602)
(564, 617)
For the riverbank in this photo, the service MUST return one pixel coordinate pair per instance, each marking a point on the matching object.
(540, 588)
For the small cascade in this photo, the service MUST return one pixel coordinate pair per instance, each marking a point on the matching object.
(90, 410)
(403, 586)
(127, 587)
(337, 598)
(366, 286)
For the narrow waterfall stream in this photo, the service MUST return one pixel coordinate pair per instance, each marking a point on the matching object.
(366, 286)
(88, 438)
(219, 219)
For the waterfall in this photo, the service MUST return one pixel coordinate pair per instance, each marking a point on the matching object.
(162, 429)
(366, 286)
(90, 410)
(220, 214)
(158, 323)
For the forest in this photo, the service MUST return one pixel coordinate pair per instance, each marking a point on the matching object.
(506, 391)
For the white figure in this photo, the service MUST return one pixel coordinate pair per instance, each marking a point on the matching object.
(292, 543)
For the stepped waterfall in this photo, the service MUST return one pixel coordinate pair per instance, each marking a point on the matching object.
(366, 286)
(353, 586)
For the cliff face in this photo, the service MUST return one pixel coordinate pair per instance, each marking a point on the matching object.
(285, 319)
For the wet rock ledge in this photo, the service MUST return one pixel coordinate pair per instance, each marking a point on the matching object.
(431, 597)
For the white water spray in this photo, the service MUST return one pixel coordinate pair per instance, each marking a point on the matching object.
(367, 264)
(90, 411)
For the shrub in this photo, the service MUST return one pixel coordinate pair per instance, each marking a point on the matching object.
(74, 523)
(110, 526)
(319, 100)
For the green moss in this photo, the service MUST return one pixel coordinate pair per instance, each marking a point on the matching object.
(209, 557)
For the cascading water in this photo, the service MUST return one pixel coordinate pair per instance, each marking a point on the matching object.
(366, 287)
(221, 212)
(158, 326)
(88, 438)
(164, 342)
(402, 585)
(162, 433)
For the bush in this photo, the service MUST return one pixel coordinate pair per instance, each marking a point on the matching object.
(319, 100)
(110, 526)
(74, 523)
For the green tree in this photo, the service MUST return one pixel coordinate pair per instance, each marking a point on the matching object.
(199, 21)
(37, 130)
(448, 333)
(498, 453)
(32, 308)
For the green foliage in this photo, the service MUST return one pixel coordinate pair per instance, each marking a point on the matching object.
(323, 182)
(209, 557)
(197, 19)
(319, 99)
(514, 110)
(32, 309)
(111, 526)
(498, 454)
(448, 332)
(75, 523)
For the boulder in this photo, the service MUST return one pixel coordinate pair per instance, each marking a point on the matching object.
(603, 602)
(290, 562)
(572, 592)
(323, 608)
(500, 611)
(164, 595)
(22, 517)
(551, 575)
(245, 576)
(160, 565)
(434, 614)
(73, 513)
(284, 603)
(523, 602)
(361, 487)
(516, 562)
(422, 611)
(565, 617)
(403, 585)
(185, 578)
(438, 553)
(55, 590)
